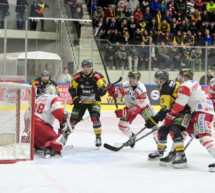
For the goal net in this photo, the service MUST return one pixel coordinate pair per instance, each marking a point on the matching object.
(16, 122)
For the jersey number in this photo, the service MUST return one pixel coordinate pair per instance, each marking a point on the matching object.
(39, 108)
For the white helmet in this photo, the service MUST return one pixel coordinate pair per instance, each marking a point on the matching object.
(51, 89)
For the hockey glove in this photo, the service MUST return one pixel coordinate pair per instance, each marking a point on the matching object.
(151, 123)
(102, 90)
(121, 113)
(111, 90)
(169, 119)
(77, 102)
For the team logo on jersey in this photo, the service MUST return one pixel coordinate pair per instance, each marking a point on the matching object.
(11, 95)
(134, 108)
(199, 106)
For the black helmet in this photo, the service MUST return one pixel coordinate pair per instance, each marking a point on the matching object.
(135, 74)
(45, 73)
(87, 62)
(188, 72)
(162, 74)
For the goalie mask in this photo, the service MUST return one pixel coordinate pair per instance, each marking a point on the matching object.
(51, 89)
(186, 72)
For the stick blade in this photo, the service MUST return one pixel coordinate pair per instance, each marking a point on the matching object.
(112, 148)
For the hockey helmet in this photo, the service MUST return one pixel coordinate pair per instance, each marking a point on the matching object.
(87, 62)
(162, 74)
(45, 73)
(135, 74)
(51, 89)
(188, 72)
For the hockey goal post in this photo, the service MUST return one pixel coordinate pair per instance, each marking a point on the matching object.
(17, 102)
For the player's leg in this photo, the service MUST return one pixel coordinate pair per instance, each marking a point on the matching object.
(203, 127)
(161, 145)
(124, 127)
(94, 110)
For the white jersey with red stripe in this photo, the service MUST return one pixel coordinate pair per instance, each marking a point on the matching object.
(192, 94)
(138, 96)
(48, 108)
(211, 89)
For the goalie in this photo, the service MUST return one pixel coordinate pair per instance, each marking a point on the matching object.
(48, 108)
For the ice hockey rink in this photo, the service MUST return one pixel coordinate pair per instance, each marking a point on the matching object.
(83, 169)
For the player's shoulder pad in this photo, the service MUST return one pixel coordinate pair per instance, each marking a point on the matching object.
(37, 81)
(126, 84)
(172, 83)
(97, 75)
(141, 87)
(77, 76)
(53, 82)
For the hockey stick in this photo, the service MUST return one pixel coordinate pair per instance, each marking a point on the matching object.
(189, 142)
(129, 142)
(114, 98)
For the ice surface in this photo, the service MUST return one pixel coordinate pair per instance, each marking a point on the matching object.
(86, 170)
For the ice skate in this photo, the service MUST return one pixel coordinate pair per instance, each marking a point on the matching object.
(156, 154)
(180, 161)
(98, 142)
(132, 139)
(48, 152)
(168, 159)
(212, 167)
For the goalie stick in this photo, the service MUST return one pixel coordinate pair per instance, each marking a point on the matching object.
(128, 143)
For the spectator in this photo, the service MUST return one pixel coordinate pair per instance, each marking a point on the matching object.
(146, 37)
(211, 55)
(122, 4)
(119, 15)
(196, 16)
(125, 39)
(109, 13)
(190, 8)
(4, 7)
(183, 26)
(138, 15)
(115, 37)
(187, 60)
(178, 39)
(132, 54)
(175, 54)
(209, 77)
(196, 55)
(132, 6)
(154, 56)
(33, 13)
(121, 58)
(147, 15)
(109, 56)
(123, 25)
(208, 38)
(173, 27)
(199, 5)
(20, 13)
(193, 28)
(111, 27)
(163, 8)
(66, 77)
(167, 16)
(132, 26)
(41, 8)
(78, 14)
(167, 38)
(164, 55)
(145, 5)
(143, 26)
(164, 27)
(153, 26)
(189, 38)
(203, 26)
(210, 7)
(127, 13)
(179, 17)
(143, 56)
(155, 6)
(199, 40)
(171, 7)
(137, 37)
(99, 24)
(158, 17)
(205, 16)
(180, 5)
(98, 13)
(211, 28)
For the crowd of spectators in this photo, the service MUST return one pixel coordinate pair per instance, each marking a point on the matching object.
(178, 30)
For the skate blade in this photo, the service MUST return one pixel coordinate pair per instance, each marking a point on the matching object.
(165, 163)
(97, 147)
(180, 166)
(68, 147)
(154, 159)
(211, 169)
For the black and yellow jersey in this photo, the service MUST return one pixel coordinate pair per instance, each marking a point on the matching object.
(168, 94)
(41, 85)
(86, 86)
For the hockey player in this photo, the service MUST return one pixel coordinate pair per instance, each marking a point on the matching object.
(42, 82)
(136, 101)
(202, 114)
(86, 89)
(211, 89)
(168, 94)
(48, 108)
